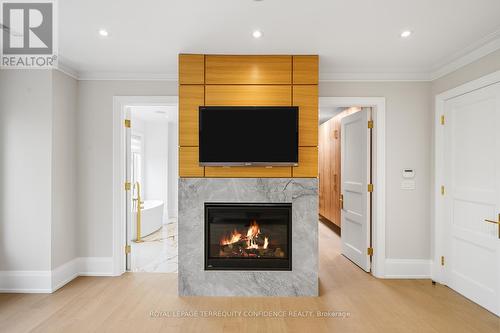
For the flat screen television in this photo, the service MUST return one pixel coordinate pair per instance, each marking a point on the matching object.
(249, 135)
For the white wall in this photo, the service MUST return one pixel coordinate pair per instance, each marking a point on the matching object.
(25, 169)
(95, 157)
(408, 140)
(155, 173)
(38, 169)
(64, 169)
(173, 167)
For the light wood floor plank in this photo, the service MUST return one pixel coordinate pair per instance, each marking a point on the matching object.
(123, 304)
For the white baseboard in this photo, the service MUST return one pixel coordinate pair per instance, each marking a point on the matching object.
(25, 282)
(96, 266)
(408, 268)
(50, 281)
(64, 274)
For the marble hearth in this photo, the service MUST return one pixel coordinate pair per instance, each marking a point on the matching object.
(302, 280)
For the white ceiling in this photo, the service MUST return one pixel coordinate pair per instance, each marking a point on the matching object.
(357, 36)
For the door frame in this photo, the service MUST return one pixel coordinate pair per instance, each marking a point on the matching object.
(120, 103)
(438, 273)
(379, 195)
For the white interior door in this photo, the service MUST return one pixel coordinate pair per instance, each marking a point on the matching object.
(472, 195)
(355, 177)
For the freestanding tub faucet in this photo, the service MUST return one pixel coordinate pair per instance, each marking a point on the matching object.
(138, 204)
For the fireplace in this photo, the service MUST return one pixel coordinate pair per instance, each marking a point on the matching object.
(248, 236)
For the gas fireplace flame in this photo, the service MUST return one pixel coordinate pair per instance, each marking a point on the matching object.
(251, 239)
(233, 238)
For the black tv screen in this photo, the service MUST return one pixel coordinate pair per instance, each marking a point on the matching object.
(250, 135)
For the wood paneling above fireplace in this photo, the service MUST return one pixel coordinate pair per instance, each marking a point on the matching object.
(241, 80)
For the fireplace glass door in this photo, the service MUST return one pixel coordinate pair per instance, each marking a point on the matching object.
(249, 236)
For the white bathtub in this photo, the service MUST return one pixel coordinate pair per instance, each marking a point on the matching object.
(151, 218)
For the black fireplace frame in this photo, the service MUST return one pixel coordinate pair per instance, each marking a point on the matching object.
(247, 264)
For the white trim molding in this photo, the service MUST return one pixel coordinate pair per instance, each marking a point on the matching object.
(120, 103)
(437, 200)
(373, 76)
(408, 268)
(476, 51)
(125, 76)
(379, 196)
(50, 281)
(25, 282)
(471, 53)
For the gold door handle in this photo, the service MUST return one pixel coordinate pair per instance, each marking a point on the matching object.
(495, 222)
(491, 221)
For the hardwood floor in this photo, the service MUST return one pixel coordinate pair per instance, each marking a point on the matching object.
(123, 304)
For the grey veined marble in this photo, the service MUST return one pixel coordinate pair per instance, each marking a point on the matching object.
(301, 281)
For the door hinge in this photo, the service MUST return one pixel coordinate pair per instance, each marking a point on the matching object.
(442, 119)
(127, 123)
(370, 123)
(442, 190)
(128, 249)
(442, 260)
(341, 201)
(370, 188)
(127, 186)
(369, 251)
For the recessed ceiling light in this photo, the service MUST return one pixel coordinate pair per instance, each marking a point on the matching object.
(406, 34)
(103, 32)
(257, 34)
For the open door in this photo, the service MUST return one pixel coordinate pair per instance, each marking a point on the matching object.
(356, 187)
(129, 188)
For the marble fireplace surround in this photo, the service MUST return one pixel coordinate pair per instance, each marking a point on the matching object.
(301, 281)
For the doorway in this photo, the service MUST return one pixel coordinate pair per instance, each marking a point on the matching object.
(151, 214)
(468, 201)
(353, 172)
(145, 176)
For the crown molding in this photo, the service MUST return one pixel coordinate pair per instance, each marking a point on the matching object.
(473, 52)
(373, 76)
(470, 54)
(125, 76)
(62, 67)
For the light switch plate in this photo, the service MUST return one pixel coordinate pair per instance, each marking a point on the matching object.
(408, 185)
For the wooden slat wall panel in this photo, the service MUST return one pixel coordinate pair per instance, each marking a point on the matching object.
(248, 95)
(334, 153)
(188, 162)
(305, 69)
(306, 98)
(191, 69)
(321, 169)
(190, 98)
(216, 80)
(242, 172)
(252, 69)
(327, 166)
(308, 163)
(330, 168)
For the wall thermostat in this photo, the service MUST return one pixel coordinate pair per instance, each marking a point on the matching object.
(408, 173)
